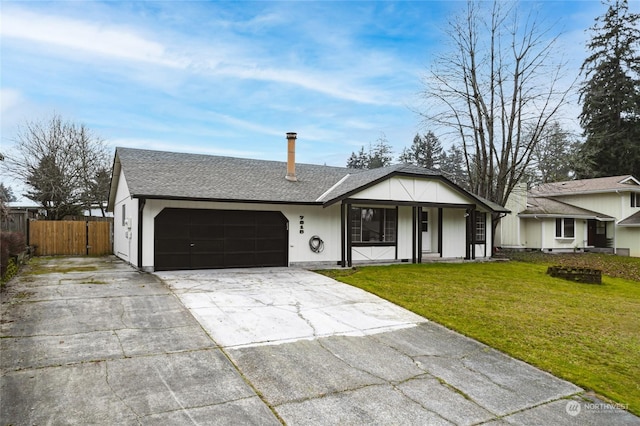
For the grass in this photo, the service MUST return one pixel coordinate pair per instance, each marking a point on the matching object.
(588, 334)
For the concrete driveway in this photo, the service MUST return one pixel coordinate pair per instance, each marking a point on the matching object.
(322, 352)
(92, 341)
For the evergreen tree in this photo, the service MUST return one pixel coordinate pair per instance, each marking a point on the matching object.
(6, 193)
(611, 93)
(452, 166)
(426, 151)
(379, 155)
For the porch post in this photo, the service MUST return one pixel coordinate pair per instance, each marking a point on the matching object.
(349, 237)
(467, 254)
(473, 234)
(440, 231)
(419, 234)
(413, 227)
(343, 241)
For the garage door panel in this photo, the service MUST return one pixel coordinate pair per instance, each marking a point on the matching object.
(206, 260)
(173, 246)
(268, 244)
(208, 246)
(237, 231)
(269, 231)
(198, 238)
(240, 217)
(240, 245)
(206, 231)
(167, 262)
(206, 217)
(240, 260)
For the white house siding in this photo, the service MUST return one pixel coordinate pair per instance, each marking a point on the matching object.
(612, 204)
(508, 234)
(532, 233)
(125, 238)
(324, 222)
(454, 233)
(413, 189)
(629, 238)
(405, 232)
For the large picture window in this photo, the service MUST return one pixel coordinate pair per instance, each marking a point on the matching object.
(373, 225)
(565, 228)
(481, 227)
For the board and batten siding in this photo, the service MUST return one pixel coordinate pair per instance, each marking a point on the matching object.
(413, 190)
(125, 229)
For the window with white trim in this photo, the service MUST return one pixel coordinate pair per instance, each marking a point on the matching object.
(124, 214)
(481, 227)
(373, 225)
(565, 227)
(635, 199)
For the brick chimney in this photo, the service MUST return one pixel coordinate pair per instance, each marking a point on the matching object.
(291, 157)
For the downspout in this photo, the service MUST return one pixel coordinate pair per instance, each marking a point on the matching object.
(141, 203)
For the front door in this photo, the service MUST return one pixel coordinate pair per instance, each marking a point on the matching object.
(426, 237)
(596, 233)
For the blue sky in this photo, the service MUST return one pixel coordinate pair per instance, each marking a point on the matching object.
(231, 78)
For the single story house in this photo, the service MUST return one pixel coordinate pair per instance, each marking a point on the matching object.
(601, 214)
(189, 211)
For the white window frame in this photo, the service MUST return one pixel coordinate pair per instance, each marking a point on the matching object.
(563, 228)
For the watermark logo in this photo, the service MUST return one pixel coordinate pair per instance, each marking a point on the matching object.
(573, 408)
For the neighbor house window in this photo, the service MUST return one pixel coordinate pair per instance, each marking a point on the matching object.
(635, 199)
(481, 227)
(565, 228)
(373, 225)
(124, 214)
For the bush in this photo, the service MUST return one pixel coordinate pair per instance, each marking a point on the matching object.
(11, 245)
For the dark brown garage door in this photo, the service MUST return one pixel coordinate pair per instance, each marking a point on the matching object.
(201, 239)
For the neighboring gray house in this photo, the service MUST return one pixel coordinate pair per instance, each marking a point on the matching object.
(588, 214)
(189, 211)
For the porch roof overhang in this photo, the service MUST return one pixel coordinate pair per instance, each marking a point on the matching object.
(545, 207)
(361, 201)
(631, 221)
(566, 216)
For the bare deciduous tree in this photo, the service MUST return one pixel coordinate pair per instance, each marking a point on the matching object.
(63, 165)
(496, 90)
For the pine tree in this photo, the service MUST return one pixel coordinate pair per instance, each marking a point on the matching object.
(611, 94)
(379, 155)
(426, 151)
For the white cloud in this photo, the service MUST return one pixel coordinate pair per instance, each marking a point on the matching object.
(9, 100)
(92, 37)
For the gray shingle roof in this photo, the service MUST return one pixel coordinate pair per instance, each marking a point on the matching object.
(195, 176)
(582, 186)
(160, 174)
(633, 220)
(542, 206)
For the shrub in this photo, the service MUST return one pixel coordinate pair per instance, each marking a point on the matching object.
(11, 245)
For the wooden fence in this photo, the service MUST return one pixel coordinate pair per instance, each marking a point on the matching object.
(74, 238)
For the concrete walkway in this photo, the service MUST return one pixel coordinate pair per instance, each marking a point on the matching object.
(92, 341)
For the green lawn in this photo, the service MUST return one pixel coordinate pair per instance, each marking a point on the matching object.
(588, 334)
